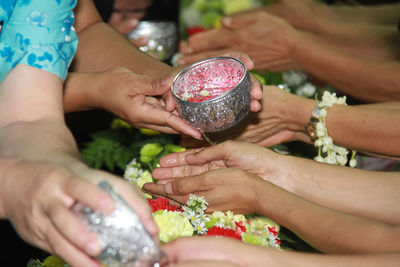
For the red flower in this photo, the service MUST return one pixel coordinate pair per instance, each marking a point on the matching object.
(194, 30)
(161, 204)
(273, 231)
(240, 228)
(219, 231)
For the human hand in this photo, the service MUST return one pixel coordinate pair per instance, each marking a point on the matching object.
(223, 189)
(221, 251)
(37, 197)
(128, 95)
(282, 118)
(230, 154)
(126, 14)
(269, 40)
(256, 90)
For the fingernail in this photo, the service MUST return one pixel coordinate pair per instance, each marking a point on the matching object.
(168, 189)
(93, 248)
(188, 50)
(171, 160)
(188, 158)
(107, 205)
(134, 22)
(226, 21)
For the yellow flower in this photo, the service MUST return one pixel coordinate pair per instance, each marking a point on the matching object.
(233, 6)
(258, 223)
(144, 178)
(172, 225)
(254, 239)
(149, 132)
(117, 123)
(53, 261)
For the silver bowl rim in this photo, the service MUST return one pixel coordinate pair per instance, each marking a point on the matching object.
(186, 69)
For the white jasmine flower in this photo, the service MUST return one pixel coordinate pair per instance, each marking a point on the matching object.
(341, 100)
(284, 87)
(306, 90)
(318, 142)
(293, 77)
(328, 141)
(353, 163)
(340, 150)
(190, 17)
(320, 129)
(331, 159)
(323, 113)
(342, 160)
(319, 159)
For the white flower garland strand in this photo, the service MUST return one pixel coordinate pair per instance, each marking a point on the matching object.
(328, 152)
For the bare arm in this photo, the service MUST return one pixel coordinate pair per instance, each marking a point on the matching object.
(376, 14)
(101, 47)
(362, 193)
(348, 74)
(196, 251)
(327, 230)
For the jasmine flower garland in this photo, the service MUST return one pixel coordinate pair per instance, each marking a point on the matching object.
(328, 152)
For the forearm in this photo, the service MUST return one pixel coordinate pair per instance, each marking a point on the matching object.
(354, 127)
(365, 80)
(310, 260)
(101, 47)
(327, 230)
(379, 43)
(362, 193)
(376, 14)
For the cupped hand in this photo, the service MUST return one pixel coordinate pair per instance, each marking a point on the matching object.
(221, 251)
(229, 189)
(282, 118)
(39, 207)
(268, 40)
(137, 100)
(230, 154)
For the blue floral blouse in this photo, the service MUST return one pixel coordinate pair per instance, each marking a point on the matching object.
(38, 33)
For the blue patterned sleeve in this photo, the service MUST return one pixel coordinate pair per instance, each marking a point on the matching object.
(38, 33)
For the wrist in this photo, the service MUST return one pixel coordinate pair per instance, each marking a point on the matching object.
(300, 113)
(7, 166)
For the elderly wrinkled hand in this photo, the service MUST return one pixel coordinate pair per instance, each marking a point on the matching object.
(267, 39)
(42, 215)
(135, 99)
(230, 154)
(222, 188)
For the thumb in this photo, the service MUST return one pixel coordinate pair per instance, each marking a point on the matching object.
(126, 26)
(153, 86)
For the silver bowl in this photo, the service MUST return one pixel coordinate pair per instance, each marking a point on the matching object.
(125, 240)
(162, 38)
(221, 111)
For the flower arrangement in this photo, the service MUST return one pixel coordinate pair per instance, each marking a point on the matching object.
(191, 219)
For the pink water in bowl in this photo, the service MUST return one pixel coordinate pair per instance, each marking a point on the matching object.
(209, 79)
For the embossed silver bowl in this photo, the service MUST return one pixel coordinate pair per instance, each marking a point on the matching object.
(125, 241)
(213, 94)
(162, 38)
